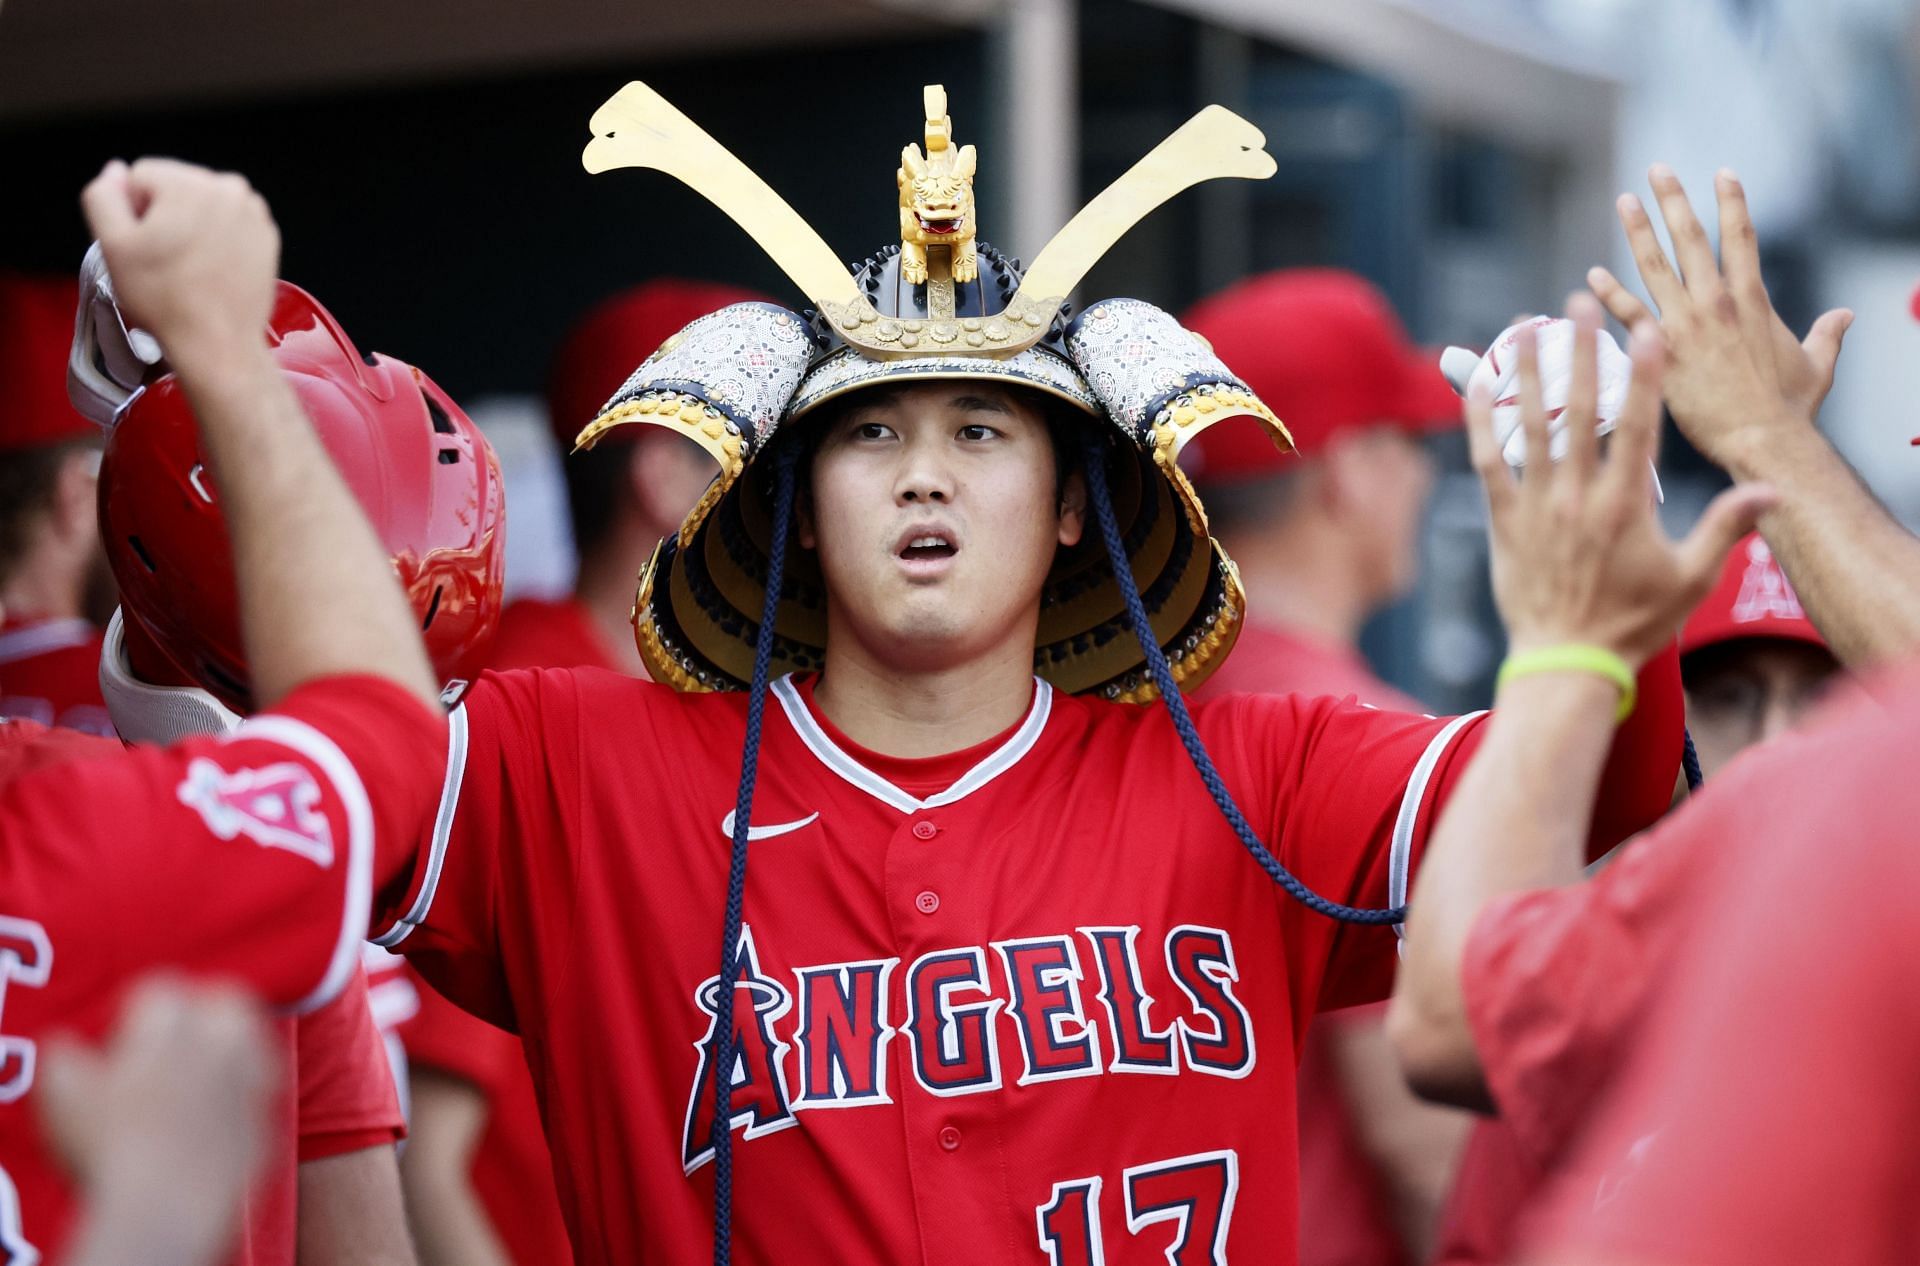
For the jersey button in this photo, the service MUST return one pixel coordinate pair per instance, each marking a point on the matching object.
(950, 1138)
(924, 830)
(927, 902)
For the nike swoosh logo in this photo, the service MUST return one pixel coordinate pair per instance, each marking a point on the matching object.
(764, 832)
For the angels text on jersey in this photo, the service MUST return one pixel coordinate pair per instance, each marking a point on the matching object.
(1075, 1000)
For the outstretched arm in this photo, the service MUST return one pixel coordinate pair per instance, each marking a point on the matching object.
(194, 255)
(1578, 560)
(1746, 393)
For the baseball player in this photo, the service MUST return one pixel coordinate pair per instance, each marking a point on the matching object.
(430, 482)
(105, 860)
(53, 576)
(1714, 1078)
(178, 626)
(1323, 540)
(1005, 984)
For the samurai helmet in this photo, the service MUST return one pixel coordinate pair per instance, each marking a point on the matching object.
(939, 304)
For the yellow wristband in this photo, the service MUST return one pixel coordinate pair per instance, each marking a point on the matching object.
(1575, 657)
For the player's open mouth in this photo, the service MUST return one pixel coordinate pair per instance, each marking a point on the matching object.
(943, 227)
(928, 546)
(926, 551)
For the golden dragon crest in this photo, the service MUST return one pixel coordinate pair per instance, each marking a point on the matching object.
(936, 199)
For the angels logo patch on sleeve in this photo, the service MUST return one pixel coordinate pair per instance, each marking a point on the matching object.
(276, 806)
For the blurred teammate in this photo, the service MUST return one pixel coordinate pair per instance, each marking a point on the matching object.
(53, 577)
(1752, 666)
(277, 809)
(1790, 1092)
(1324, 539)
(1327, 536)
(1528, 995)
(1571, 994)
(1752, 663)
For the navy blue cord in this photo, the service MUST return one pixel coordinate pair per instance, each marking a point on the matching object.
(1690, 761)
(1183, 721)
(722, 1136)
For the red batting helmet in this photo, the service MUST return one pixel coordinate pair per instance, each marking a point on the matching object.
(423, 473)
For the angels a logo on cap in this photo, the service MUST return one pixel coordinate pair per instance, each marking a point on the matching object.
(1764, 591)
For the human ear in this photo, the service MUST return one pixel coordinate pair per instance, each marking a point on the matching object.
(1344, 479)
(803, 523)
(1073, 509)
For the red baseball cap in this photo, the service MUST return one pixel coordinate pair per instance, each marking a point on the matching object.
(36, 334)
(607, 344)
(1324, 350)
(1751, 599)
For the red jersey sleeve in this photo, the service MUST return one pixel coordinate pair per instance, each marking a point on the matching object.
(1553, 978)
(1355, 792)
(347, 1099)
(1347, 792)
(512, 756)
(250, 855)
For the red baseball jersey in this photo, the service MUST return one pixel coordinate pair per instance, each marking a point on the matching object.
(104, 866)
(1767, 1110)
(50, 673)
(1346, 1218)
(1027, 1002)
